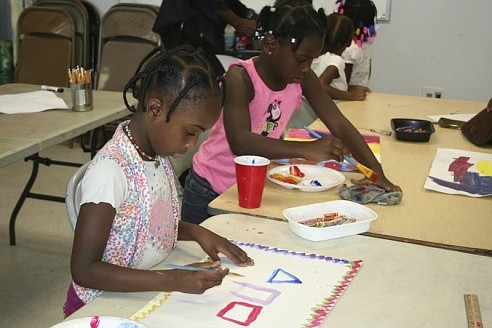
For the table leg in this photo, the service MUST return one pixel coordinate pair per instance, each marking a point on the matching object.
(26, 193)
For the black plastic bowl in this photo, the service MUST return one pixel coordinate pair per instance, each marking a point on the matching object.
(408, 129)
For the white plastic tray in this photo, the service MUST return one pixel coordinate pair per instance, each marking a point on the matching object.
(362, 214)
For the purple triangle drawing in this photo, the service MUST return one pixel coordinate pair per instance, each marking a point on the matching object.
(280, 276)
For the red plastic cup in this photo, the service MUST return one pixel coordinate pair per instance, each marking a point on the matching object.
(250, 174)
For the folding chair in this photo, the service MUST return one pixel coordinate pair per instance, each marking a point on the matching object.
(126, 37)
(46, 39)
(80, 17)
(94, 31)
(73, 195)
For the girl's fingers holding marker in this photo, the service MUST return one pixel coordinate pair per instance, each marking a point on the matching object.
(324, 149)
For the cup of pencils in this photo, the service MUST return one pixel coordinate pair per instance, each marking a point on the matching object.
(81, 87)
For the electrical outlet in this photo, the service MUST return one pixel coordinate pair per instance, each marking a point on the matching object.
(432, 92)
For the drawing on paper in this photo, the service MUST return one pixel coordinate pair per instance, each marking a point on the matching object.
(461, 172)
(372, 141)
(268, 293)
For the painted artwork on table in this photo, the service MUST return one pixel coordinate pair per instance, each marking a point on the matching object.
(283, 289)
(461, 172)
(372, 141)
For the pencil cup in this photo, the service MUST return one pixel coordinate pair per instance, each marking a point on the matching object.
(81, 97)
(250, 174)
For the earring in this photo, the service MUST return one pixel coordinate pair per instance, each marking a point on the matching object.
(269, 53)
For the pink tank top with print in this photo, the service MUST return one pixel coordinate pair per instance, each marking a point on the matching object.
(270, 111)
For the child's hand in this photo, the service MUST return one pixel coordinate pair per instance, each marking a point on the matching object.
(324, 149)
(358, 92)
(194, 282)
(382, 182)
(214, 244)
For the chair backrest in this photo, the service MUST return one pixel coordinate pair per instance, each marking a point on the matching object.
(94, 31)
(73, 195)
(80, 17)
(126, 37)
(46, 39)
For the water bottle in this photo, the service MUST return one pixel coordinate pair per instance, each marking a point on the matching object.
(229, 37)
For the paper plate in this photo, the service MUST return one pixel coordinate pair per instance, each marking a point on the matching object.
(104, 322)
(328, 178)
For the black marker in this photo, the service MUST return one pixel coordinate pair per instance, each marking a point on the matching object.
(49, 88)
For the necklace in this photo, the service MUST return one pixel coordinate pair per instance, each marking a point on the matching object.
(144, 155)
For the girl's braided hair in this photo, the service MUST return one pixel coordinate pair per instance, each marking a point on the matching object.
(340, 32)
(291, 21)
(179, 73)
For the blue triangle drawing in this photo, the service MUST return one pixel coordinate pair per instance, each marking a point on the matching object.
(278, 277)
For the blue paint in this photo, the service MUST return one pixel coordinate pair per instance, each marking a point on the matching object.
(293, 279)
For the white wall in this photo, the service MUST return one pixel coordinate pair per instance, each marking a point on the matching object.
(439, 43)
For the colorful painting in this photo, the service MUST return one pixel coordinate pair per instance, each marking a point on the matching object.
(372, 141)
(283, 289)
(461, 172)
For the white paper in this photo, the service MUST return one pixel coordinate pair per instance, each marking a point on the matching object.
(30, 102)
(456, 117)
(283, 289)
(462, 172)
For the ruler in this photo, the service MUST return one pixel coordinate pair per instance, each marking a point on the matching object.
(473, 311)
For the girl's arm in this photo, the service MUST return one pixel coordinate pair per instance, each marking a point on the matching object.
(88, 270)
(213, 244)
(342, 128)
(237, 122)
(327, 77)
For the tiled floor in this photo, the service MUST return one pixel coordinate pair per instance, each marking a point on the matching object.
(35, 273)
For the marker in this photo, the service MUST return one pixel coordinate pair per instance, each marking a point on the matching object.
(386, 133)
(50, 88)
(196, 269)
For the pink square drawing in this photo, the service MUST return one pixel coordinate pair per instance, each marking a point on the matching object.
(255, 311)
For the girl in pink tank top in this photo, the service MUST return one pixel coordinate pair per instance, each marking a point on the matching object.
(261, 96)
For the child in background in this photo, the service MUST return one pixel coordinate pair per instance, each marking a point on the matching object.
(330, 67)
(129, 216)
(262, 93)
(358, 55)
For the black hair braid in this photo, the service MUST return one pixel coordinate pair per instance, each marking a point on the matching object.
(291, 21)
(169, 70)
(190, 84)
(148, 73)
(340, 32)
(137, 76)
(148, 56)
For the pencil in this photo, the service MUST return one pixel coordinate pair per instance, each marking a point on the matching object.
(196, 269)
